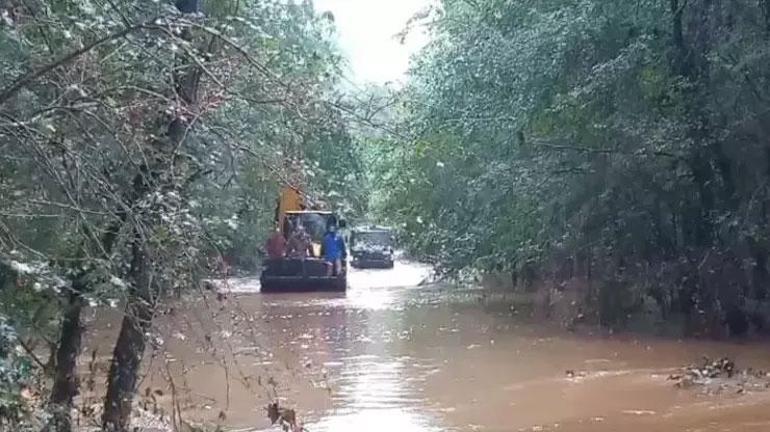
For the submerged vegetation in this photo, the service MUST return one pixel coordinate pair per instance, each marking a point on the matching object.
(614, 153)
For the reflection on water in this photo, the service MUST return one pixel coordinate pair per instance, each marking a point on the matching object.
(375, 395)
(392, 356)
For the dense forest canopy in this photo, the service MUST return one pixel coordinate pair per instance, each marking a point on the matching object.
(622, 142)
(619, 144)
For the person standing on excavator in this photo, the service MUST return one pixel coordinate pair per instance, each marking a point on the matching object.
(333, 249)
(299, 245)
(276, 245)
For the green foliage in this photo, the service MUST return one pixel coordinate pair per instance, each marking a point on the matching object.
(279, 123)
(16, 376)
(270, 69)
(137, 143)
(587, 130)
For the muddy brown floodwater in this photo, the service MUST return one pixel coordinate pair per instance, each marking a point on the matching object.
(390, 355)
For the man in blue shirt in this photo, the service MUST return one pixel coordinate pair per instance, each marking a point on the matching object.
(333, 249)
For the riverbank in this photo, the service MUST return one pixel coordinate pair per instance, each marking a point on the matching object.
(613, 306)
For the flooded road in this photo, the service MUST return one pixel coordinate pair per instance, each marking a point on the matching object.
(393, 356)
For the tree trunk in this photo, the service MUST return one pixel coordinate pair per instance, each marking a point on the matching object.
(681, 55)
(127, 358)
(703, 178)
(129, 349)
(65, 385)
(145, 291)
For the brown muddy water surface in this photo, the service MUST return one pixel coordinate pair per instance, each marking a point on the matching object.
(392, 356)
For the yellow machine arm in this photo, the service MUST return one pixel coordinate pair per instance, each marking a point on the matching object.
(293, 200)
(290, 200)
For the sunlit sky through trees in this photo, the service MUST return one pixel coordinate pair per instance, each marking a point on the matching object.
(367, 30)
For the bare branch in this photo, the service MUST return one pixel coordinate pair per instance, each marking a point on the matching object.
(27, 79)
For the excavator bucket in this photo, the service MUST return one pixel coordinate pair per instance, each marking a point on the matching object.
(300, 275)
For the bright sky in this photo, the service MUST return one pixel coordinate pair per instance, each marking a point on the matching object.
(367, 30)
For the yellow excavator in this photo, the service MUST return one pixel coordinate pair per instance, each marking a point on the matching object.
(305, 273)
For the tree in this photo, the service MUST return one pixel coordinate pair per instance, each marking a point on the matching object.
(609, 133)
(140, 142)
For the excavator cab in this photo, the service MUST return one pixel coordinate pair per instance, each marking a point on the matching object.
(307, 273)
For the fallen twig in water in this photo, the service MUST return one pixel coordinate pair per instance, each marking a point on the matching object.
(286, 417)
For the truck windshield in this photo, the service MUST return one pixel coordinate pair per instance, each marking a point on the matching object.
(374, 238)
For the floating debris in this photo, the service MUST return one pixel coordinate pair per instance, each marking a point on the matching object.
(707, 370)
(573, 374)
(720, 376)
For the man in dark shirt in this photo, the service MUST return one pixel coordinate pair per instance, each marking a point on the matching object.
(276, 245)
